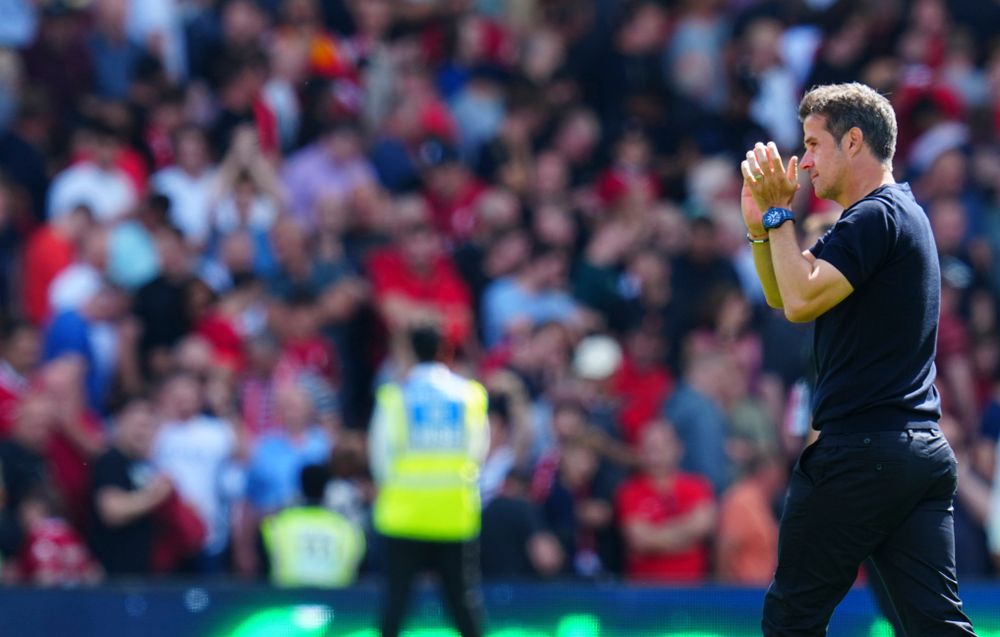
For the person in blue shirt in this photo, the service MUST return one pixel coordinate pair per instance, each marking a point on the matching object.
(280, 455)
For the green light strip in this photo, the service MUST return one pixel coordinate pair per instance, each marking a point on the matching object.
(315, 621)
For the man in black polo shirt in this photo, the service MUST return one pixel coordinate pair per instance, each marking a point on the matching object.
(125, 493)
(879, 481)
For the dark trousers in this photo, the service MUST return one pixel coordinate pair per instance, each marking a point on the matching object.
(883, 495)
(457, 565)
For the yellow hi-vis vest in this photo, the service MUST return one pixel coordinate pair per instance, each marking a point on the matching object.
(431, 487)
(312, 546)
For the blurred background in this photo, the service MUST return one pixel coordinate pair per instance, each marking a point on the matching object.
(218, 219)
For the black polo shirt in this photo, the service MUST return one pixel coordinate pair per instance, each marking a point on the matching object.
(875, 350)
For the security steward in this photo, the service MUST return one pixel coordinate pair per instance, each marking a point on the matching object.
(428, 439)
(310, 545)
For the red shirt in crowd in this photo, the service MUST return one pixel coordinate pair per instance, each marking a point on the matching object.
(442, 287)
(640, 500)
(455, 217)
(47, 254)
(642, 392)
(71, 468)
(616, 183)
(313, 355)
(226, 342)
(54, 553)
(8, 405)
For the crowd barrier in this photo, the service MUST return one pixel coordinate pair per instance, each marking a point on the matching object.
(515, 610)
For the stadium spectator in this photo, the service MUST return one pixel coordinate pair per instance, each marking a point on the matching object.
(54, 553)
(125, 492)
(241, 103)
(246, 193)
(190, 184)
(160, 306)
(535, 293)
(451, 190)
(699, 271)
(50, 250)
(331, 168)
(642, 382)
(194, 450)
(580, 512)
(77, 434)
(667, 516)
(19, 358)
(972, 504)
(97, 183)
(697, 409)
(350, 491)
(416, 281)
(75, 283)
(23, 464)
(746, 543)
(515, 543)
(279, 456)
(90, 331)
(993, 522)
(511, 434)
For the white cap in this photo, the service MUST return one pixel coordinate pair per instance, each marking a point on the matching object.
(597, 357)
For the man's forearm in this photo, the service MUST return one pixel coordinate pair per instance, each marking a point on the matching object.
(765, 272)
(791, 270)
(677, 535)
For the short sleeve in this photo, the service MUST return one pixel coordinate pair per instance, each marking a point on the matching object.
(859, 243)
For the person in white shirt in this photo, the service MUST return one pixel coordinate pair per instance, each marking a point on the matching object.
(81, 280)
(190, 185)
(97, 182)
(195, 451)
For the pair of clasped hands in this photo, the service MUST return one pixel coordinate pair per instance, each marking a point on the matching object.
(767, 183)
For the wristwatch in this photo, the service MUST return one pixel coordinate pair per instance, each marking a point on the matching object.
(774, 217)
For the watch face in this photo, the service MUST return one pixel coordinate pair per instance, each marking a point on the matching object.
(774, 217)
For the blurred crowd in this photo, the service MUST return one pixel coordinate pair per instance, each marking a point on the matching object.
(219, 219)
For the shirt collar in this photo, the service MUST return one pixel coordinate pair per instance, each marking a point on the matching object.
(427, 369)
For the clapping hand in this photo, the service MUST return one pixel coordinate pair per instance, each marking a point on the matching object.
(767, 181)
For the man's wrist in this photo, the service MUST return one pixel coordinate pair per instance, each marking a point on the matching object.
(775, 216)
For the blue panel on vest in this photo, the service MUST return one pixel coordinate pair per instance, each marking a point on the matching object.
(436, 424)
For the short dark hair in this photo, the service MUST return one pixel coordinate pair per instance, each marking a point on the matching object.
(122, 404)
(426, 342)
(854, 104)
(312, 481)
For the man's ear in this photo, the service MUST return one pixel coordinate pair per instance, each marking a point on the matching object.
(853, 141)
